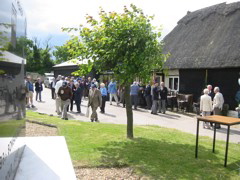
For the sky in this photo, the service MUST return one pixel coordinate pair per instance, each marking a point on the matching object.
(45, 18)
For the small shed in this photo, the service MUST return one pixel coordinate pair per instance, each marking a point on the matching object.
(205, 49)
(66, 68)
(10, 63)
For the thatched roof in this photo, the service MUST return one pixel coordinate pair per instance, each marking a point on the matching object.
(206, 38)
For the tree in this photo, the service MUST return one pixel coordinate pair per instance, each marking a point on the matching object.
(38, 58)
(125, 43)
(23, 47)
(3, 39)
(61, 54)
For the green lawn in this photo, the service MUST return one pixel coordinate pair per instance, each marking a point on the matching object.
(11, 128)
(155, 152)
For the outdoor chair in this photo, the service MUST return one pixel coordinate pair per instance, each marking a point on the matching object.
(185, 102)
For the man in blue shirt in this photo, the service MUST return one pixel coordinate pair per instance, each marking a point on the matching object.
(112, 90)
(30, 91)
(134, 94)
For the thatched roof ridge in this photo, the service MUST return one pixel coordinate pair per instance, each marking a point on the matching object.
(206, 38)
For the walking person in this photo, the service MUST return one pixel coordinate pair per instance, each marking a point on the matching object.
(134, 94)
(103, 91)
(112, 90)
(155, 98)
(78, 96)
(52, 86)
(163, 98)
(30, 91)
(38, 89)
(95, 101)
(218, 102)
(206, 106)
(65, 94)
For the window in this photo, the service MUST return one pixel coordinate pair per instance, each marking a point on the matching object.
(174, 83)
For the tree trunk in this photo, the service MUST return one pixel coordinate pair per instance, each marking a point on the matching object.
(129, 112)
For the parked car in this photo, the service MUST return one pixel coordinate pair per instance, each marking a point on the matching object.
(47, 81)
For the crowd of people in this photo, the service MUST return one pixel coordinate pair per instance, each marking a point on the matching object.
(68, 91)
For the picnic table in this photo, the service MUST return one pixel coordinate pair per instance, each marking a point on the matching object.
(224, 120)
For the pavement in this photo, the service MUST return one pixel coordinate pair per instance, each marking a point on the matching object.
(117, 115)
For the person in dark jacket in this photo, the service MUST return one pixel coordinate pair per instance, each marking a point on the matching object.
(73, 88)
(78, 96)
(122, 95)
(148, 96)
(211, 94)
(38, 89)
(155, 98)
(52, 86)
(163, 95)
(82, 86)
(65, 94)
(141, 98)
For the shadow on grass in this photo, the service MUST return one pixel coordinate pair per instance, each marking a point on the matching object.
(160, 159)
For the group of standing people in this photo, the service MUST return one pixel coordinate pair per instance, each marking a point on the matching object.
(67, 90)
(211, 102)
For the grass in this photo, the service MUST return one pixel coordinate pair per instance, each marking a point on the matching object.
(11, 128)
(155, 152)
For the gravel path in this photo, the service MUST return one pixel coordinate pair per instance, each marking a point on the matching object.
(107, 174)
(33, 129)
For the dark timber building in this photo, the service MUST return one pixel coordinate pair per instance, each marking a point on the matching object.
(205, 49)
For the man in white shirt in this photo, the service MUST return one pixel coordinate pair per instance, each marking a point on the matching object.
(206, 106)
(218, 102)
(58, 99)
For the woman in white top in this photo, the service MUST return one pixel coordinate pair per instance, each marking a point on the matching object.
(206, 106)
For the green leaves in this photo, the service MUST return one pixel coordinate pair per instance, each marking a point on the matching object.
(125, 43)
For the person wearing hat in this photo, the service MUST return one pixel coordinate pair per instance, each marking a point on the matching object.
(95, 101)
(65, 93)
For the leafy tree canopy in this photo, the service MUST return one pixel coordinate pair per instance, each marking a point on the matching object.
(61, 54)
(125, 43)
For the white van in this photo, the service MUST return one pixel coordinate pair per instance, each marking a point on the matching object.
(47, 81)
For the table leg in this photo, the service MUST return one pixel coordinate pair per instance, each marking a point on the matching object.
(226, 153)
(214, 138)
(196, 150)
